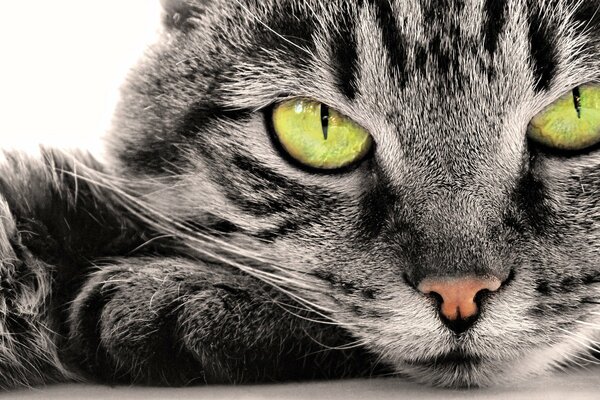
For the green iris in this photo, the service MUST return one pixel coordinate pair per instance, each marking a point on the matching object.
(319, 137)
(570, 123)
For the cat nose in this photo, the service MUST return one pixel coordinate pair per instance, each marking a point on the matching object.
(458, 298)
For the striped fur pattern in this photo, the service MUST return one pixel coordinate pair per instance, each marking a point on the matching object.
(215, 259)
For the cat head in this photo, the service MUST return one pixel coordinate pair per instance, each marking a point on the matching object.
(451, 197)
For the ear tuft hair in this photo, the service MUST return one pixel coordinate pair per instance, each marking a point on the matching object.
(179, 13)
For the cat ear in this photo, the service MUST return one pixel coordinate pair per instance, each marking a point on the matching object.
(181, 13)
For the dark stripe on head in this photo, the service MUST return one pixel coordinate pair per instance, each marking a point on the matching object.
(288, 29)
(587, 15)
(345, 54)
(392, 38)
(494, 12)
(421, 56)
(435, 11)
(544, 57)
(446, 42)
(591, 278)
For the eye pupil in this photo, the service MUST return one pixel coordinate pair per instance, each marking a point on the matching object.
(325, 120)
(577, 101)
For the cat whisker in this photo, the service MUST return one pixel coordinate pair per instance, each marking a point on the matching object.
(109, 281)
(149, 242)
(583, 340)
(177, 228)
(379, 360)
(352, 345)
(386, 375)
(202, 244)
(596, 326)
(584, 362)
(187, 60)
(329, 320)
(155, 213)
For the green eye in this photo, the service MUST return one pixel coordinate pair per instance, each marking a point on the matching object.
(318, 136)
(570, 123)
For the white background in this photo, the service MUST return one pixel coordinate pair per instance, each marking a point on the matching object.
(61, 64)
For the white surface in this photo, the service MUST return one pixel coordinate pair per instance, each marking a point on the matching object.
(572, 386)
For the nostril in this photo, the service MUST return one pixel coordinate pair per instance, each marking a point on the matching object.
(481, 296)
(437, 298)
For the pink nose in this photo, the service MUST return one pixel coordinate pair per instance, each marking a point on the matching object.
(458, 294)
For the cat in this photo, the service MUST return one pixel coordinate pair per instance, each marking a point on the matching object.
(457, 246)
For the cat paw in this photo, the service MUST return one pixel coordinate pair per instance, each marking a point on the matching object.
(175, 322)
(159, 322)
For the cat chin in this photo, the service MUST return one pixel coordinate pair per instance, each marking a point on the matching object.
(457, 376)
(459, 372)
(464, 375)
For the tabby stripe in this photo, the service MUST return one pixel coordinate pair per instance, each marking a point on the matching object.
(279, 193)
(377, 205)
(442, 30)
(588, 15)
(392, 39)
(345, 54)
(288, 227)
(543, 287)
(434, 11)
(544, 57)
(495, 19)
(530, 198)
(288, 29)
(212, 224)
(592, 278)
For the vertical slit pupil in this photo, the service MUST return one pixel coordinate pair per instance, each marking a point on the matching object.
(577, 101)
(325, 120)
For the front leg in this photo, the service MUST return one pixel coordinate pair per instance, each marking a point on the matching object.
(175, 321)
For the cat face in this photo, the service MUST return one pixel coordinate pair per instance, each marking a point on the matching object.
(452, 188)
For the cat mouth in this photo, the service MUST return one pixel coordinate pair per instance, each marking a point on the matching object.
(453, 358)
